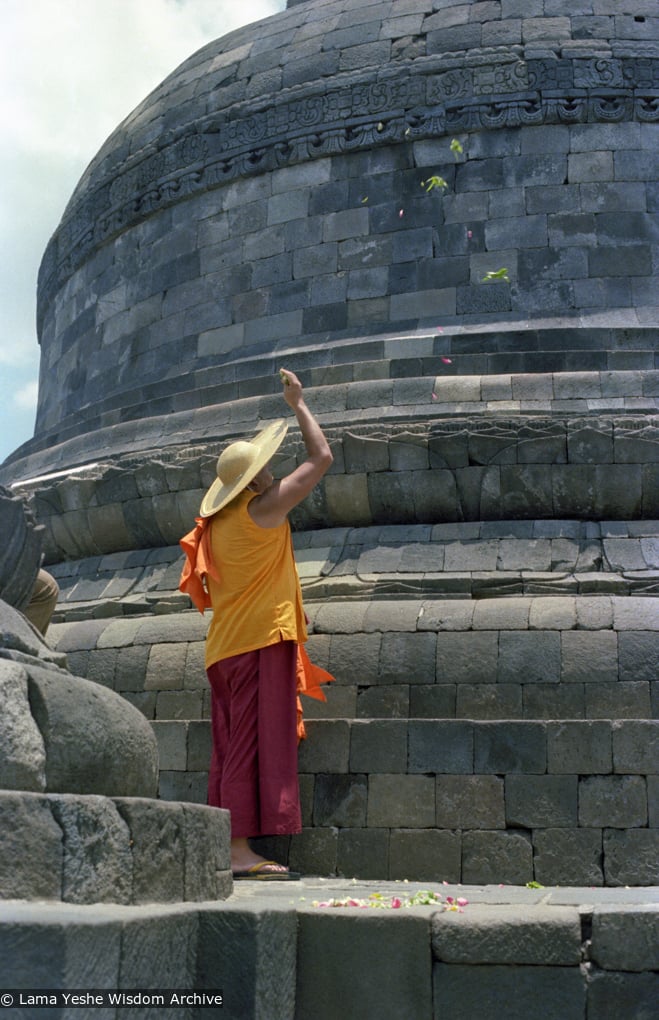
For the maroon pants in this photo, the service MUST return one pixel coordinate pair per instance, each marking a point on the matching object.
(253, 770)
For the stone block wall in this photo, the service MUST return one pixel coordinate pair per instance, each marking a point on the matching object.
(477, 741)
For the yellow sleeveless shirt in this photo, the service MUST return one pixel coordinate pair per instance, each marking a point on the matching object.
(257, 601)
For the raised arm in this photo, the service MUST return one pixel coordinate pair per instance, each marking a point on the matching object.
(270, 507)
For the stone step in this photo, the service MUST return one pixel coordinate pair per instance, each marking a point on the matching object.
(510, 657)
(573, 950)
(501, 348)
(507, 383)
(218, 384)
(567, 557)
(96, 849)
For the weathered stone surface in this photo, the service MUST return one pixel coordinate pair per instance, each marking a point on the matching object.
(118, 753)
(631, 856)
(22, 751)
(470, 802)
(568, 856)
(158, 849)
(509, 935)
(476, 989)
(626, 939)
(617, 802)
(496, 857)
(400, 954)
(97, 866)
(249, 941)
(26, 821)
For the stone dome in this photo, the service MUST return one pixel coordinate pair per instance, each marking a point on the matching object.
(266, 200)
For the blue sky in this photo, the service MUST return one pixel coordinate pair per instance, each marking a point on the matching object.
(70, 71)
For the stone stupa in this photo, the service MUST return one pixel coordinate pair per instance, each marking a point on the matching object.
(443, 218)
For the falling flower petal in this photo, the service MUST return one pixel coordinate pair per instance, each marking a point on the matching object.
(447, 361)
(456, 148)
(434, 396)
(434, 182)
(469, 234)
(365, 199)
(401, 212)
(496, 274)
(440, 329)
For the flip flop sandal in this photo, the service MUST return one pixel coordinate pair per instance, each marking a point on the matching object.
(258, 873)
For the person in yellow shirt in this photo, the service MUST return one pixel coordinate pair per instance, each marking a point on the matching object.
(240, 562)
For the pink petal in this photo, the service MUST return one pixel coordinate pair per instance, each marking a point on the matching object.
(440, 329)
(469, 234)
(462, 902)
(400, 213)
(434, 397)
(396, 903)
(449, 899)
(447, 361)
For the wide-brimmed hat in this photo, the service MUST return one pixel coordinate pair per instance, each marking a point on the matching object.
(239, 463)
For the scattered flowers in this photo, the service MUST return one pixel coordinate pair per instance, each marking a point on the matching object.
(425, 897)
(496, 274)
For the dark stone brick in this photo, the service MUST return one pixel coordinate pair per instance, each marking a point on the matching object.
(504, 747)
(441, 746)
(495, 857)
(363, 853)
(607, 261)
(430, 855)
(325, 318)
(454, 38)
(436, 701)
(340, 800)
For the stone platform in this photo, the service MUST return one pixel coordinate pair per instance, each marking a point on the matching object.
(513, 952)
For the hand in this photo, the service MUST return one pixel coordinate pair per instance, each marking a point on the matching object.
(292, 387)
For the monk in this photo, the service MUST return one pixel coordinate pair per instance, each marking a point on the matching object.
(240, 563)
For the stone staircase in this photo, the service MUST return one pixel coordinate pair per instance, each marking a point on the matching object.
(494, 715)
(481, 569)
(601, 367)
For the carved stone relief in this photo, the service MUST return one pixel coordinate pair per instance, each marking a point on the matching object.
(408, 104)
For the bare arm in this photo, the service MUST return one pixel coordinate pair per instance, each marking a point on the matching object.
(270, 507)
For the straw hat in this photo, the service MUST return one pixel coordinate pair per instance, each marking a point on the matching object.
(239, 463)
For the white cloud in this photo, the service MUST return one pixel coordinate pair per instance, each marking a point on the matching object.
(26, 397)
(70, 71)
